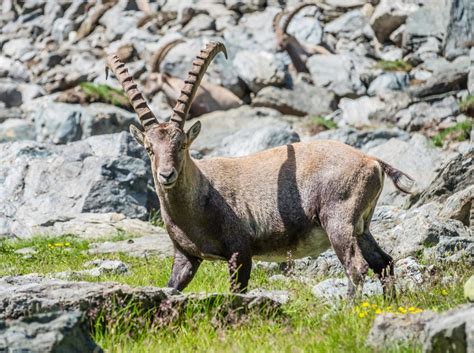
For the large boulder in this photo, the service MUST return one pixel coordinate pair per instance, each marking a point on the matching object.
(391, 329)
(48, 333)
(389, 15)
(452, 331)
(295, 101)
(25, 295)
(157, 244)
(341, 73)
(243, 130)
(259, 69)
(110, 173)
(420, 230)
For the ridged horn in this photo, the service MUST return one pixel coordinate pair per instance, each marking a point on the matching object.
(191, 84)
(158, 57)
(276, 23)
(293, 13)
(145, 115)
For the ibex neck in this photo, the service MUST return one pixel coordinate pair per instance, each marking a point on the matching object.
(175, 201)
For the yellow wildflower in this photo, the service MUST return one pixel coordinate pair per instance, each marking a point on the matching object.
(402, 310)
(417, 311)
(378, 311)
(361, 315)
(67, 244)
(444, 292)
(374, 306)
(411, 309)
(365, 304)
(58, 245)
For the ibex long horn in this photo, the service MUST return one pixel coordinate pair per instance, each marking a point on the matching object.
(276, 23)
(191, 84)
(145, 115)
(294, 12)
(161, 53)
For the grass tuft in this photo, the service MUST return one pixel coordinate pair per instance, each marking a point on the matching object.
(395, 65)
(105, 93)
(467, 106)
(459, 132)
(319, 123)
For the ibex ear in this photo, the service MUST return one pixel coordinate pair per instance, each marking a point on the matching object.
(137, 134)
(193, 132)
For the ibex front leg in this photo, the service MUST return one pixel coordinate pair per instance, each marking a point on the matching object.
(184, 269)
(240, 266)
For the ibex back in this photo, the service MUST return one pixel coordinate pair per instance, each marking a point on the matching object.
(299, 198)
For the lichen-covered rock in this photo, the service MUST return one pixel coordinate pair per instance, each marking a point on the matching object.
(53, 332)
(452, 331)
(336, 288)
(394, 329)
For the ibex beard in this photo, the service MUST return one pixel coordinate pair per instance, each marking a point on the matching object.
(300, 198)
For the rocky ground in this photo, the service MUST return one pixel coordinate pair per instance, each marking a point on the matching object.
(392, 78)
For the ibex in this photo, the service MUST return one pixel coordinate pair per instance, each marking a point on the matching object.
(297, 52)
(209, 97)
(299, 198)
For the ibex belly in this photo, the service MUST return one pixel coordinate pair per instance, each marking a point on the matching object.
(311, 243)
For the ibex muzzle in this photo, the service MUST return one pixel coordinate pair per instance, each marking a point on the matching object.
(300, 198)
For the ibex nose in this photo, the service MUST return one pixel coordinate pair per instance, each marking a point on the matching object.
(167, 177)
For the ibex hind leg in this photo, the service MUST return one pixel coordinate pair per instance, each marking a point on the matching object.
(379, 261)
(344, 242)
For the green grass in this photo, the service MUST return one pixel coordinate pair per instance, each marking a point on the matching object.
(466, 106)
(105, 93)
(458, 132)
(320, 123)
(395, 65)
(305, 324)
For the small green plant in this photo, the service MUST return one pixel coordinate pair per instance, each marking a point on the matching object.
(458, 132)
(467, 106)
(156, 219)
(105, 93)
(319, 123)
(395, 65)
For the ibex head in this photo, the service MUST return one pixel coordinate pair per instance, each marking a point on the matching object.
(166, 142)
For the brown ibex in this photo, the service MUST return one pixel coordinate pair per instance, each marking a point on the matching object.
(209, 97)
(297, 52)
(301, 197)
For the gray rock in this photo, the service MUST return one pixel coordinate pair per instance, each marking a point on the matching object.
(51, 332)
(157, 244)
(389, 15)
(16, 130)
(339, 72)
(469, 289)
(409, 274)
(452, 77)
(295, 101)
(349, 25)
(218, 129)
(336, 288)
(417, 157)
(459, 28)
(392, 329)
(30, 294)
(459, 205)
(16, 48)
(357, 112)
(100, 268)
(452, 331)
(423, 115)
(455, 175)
(10, 94)
(362, 139)
(109, 174)
(453, 249)
(407, 233)
(306, 27)
(199, 23)
(61, 29)
(13, 69)
(259, 69)
(326, 264)
(393, 81)
(248, 140)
